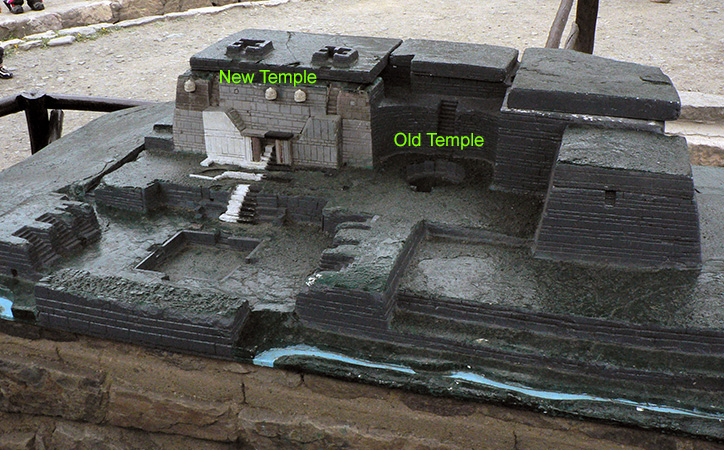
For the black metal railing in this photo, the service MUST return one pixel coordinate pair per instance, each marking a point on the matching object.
(45, 126)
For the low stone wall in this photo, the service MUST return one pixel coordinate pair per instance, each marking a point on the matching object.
(167, 328)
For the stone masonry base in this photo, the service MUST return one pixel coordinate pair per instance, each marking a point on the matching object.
(86, 393)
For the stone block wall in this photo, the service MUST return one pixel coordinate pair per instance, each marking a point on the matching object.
(393, 117)
(159, 194)
(614, 217)
(458, 87)
(296, 209)
(148, 325)
(319, 143)
(526, 151)
(281, 114)
(188, 122)
(355, 110)
(357, 143)
(621, 198)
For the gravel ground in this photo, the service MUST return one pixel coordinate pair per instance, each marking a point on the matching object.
(686, 39)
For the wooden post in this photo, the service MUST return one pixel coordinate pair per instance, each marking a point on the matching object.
(36, 114)
(559, 24)
(586, 16)
(56, 125)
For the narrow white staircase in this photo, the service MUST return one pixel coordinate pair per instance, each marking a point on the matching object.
(235, 201)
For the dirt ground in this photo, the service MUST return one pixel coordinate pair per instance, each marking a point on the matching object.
(684, 38)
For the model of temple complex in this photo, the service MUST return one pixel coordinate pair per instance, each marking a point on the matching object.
(318, 101)
(421, 213)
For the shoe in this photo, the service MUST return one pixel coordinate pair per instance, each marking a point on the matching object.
(18, 9)
(37, 6)
(5, 74)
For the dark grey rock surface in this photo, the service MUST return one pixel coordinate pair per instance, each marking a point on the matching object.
(456, 60)
(574, 82)
(626, 150)
(30, 185)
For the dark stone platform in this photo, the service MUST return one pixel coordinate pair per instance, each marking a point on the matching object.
(293, 53)
(479, 62)
(578, 83)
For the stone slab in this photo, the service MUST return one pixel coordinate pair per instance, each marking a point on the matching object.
(625, 150)
(293, 53)
(574, 82)
(457, 59)
(63, 40)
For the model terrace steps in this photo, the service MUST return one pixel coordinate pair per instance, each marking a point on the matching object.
(41, 250)
(546, 328)
(333, 262)
(235, 202)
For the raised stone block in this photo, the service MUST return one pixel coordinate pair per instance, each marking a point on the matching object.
(578, 83)
(621, 198)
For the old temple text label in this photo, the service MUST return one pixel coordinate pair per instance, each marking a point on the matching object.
(437, 140)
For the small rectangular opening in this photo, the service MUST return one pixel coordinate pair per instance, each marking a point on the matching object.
(610, 198)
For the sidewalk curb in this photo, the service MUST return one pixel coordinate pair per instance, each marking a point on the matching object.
(122, 13)
(698, 107)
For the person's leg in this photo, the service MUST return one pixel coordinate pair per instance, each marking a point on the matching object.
(36, 5)
(4, 73)
(15, 6)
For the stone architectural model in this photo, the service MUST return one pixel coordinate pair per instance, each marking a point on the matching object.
(427, 214)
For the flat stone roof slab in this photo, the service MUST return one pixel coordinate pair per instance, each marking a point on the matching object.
(479, 62)
(293, 53)
(578, 83)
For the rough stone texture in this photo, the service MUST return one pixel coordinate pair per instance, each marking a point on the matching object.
(456, 60)
(81, 31)
(621, 197)
(87, 14)
(625, 150)
(575, 82)
(65, 40)
(214, 421)
(39, 224)
(30, 44)
(164, 401)
(46, 35)
(134, 9)
(44, 388)
(74, 16)
(25, 432)
(698, 107)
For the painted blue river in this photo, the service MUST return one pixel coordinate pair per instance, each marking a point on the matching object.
(5, 308)
(268, 357)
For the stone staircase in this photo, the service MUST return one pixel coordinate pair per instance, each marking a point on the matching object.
(236, 201)
(446, 119)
